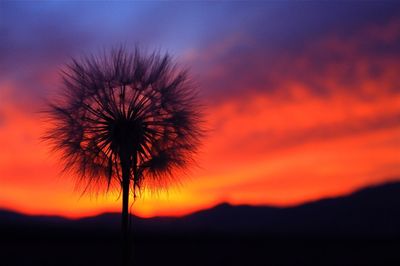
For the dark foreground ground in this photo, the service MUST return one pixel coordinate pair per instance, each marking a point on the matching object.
(362, 228)
(103, 249)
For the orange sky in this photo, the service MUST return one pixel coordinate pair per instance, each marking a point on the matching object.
(272, 149)
(322, 122)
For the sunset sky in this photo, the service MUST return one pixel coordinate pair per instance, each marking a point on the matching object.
(302, 98)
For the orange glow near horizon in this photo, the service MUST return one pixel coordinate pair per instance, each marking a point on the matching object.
(268, 161)
(282, 147)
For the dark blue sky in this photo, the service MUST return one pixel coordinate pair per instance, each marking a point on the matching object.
(39, 37)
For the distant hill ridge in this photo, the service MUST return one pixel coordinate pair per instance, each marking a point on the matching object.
(373, 211)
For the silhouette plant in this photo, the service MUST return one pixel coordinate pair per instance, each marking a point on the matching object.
(125, 119)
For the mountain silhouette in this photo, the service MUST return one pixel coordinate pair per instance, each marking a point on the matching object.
(362, 228)
(373, 211)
